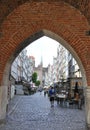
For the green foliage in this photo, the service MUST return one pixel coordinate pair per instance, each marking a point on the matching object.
(37, 83)
(34, 77)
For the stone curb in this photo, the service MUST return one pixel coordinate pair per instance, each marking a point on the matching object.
(14, 107)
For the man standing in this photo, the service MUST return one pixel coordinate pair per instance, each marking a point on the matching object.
(52, 95)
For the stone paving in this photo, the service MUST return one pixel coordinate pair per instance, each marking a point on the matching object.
(35, 113)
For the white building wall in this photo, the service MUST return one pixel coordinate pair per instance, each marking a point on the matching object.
(74, 70)
(54, 69)
(46, 79)
(22, 67)
(50, 74)
(12, 91)
(62, 62)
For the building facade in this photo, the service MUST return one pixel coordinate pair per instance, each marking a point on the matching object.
(21, 71)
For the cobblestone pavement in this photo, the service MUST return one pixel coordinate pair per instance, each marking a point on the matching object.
(35, 113)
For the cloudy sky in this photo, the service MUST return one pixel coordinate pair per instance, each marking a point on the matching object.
(44, 48)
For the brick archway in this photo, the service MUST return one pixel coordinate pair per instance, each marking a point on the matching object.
(33, 17)
(33, 20)
(38, 35)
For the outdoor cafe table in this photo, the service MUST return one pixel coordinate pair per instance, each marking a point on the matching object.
(60, 98)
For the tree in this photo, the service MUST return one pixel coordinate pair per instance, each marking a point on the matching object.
(37, 83)
(34, 77)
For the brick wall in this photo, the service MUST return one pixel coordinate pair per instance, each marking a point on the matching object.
(8, 6)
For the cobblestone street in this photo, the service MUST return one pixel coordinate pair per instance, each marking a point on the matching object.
(35, 113)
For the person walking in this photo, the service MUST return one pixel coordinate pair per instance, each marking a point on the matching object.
(52, 95)
(76, 90)
(81, 100)
(45, 92)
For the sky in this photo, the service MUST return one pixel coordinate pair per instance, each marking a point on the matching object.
(44, 48)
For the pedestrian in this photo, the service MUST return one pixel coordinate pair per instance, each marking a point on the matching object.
(81, 99)
(76, 100)
(45, 92)
(76, 90)
(52, 95)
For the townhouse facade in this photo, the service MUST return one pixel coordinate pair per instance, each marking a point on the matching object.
(64, 69)
(74, 74)
(21, 71)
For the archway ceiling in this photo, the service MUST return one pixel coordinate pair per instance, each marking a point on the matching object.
(7, 6)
